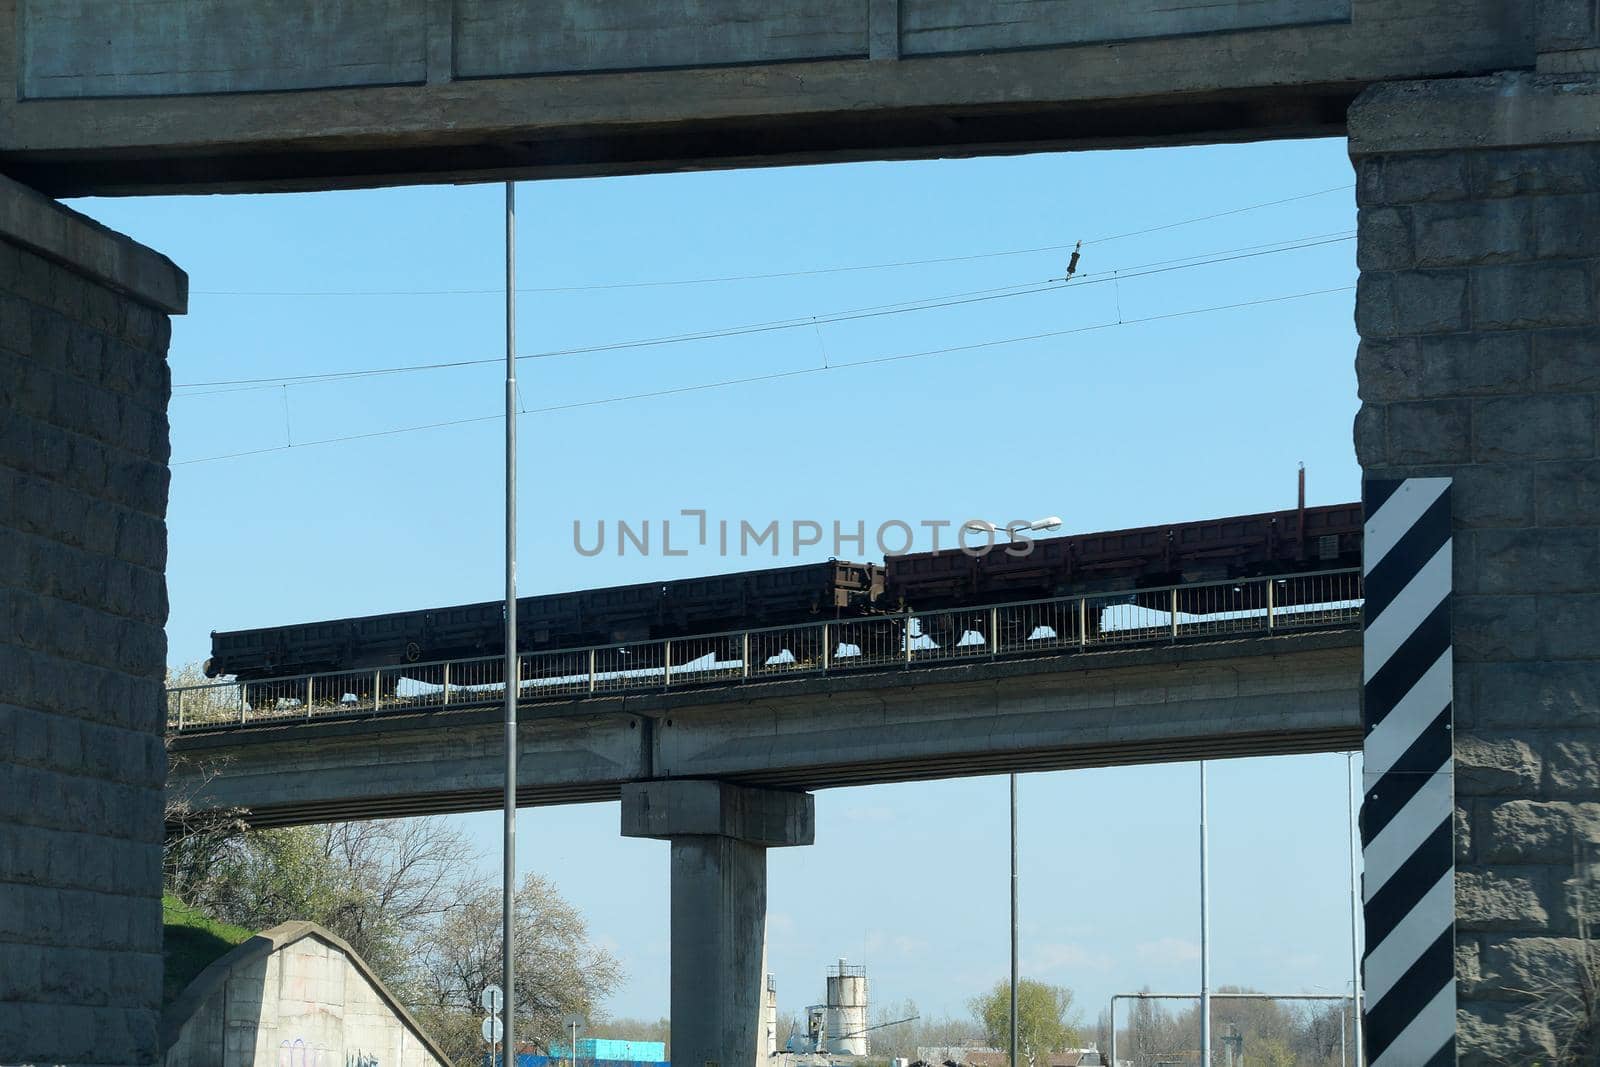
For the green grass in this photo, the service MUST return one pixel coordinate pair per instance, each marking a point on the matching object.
(193, 942)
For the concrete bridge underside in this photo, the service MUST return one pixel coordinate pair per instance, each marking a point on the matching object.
(1260, 696)
(279, 94)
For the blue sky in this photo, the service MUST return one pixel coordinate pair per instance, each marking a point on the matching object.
(1168, 420)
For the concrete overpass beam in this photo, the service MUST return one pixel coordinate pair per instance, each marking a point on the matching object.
(720, 834)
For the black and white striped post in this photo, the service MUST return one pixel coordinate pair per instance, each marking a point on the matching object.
(1408, 802)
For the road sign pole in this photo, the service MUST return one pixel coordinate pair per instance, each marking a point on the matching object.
(493, 1029)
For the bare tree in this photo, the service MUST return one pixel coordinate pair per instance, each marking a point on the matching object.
(200, 841)
(396, 874)
(558, 969)
(374, 884)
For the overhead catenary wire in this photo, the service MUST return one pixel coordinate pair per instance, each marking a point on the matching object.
(1080, 280)
(730, 278)
(775, 376)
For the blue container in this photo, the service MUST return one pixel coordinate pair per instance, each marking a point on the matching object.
(608, 1049)
(528, 1059)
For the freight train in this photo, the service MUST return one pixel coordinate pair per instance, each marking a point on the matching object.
(1116, 562)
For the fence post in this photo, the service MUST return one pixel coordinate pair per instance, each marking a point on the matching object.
(591, 671)
(308, 698)
(908, 639)
(1269, 603)
(1083, 622)
(744, 654)
(666, 663)
(994, 631)
(444, 694)
(827, 649)
(241, 703)
(1174, 614)
(180, 711)
(377, 690)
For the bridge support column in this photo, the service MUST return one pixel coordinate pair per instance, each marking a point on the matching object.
(83, 602)
(720, 834)
(1479, 315)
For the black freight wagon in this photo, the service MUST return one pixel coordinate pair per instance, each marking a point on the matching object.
(646, 611)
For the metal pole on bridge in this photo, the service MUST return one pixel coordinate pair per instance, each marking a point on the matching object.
(1357, 1042)
(1013, 1056)
(1205, 929)
(508, 932)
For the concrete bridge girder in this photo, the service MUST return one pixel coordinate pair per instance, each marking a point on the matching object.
(1294, 693)
(435, 90)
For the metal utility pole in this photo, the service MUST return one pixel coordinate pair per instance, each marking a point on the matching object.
(508, 899)
(1205, 930)
(1013, 919)
(1355, 913)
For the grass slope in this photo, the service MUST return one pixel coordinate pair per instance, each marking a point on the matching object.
(193, 942)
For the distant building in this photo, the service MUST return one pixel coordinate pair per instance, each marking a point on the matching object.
(939, 1054)
(993, 1057)
(292, 996)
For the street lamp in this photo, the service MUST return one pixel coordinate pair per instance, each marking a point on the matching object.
(1012, 528)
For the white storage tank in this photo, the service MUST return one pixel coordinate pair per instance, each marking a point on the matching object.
(847, 1010)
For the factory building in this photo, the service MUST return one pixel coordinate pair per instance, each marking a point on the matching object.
(769, 1015)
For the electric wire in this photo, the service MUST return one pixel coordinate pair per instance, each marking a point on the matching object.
(725, 279)
(222, 386)
(775, 376)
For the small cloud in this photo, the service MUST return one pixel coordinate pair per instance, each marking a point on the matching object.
(1168, 950)
(1063, 956)
(878, 942)
(870, 814)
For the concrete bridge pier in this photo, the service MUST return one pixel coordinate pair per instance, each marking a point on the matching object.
(84, 322)
(1479, 314)
(720, 834)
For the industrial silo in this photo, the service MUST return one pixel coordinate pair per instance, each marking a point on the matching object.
(847, 1010)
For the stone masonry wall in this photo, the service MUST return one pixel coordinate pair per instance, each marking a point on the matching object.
(1479, 314)
(83, 493)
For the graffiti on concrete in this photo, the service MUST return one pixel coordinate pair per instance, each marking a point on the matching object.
(297, 1053)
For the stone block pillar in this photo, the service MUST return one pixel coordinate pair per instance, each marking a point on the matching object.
(1479, 314)
(720, 834)
(83, 602)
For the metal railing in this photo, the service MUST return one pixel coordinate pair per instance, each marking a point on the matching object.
(1064, 624)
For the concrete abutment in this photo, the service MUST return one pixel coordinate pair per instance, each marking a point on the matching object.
(720, 834)
(83, 602)
(1479, 314)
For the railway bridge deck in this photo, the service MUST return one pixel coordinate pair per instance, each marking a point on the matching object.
(1047, 685)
